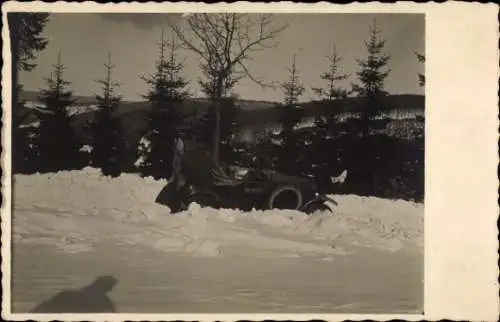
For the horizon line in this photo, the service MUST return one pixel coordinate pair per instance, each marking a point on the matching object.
(237, 99)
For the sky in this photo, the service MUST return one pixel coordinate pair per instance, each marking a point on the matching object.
(85, 39)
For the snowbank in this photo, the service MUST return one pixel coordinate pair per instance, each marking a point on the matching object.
(74, 210)
(127, 197)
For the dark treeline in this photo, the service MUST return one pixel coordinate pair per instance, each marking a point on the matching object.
(384, 157)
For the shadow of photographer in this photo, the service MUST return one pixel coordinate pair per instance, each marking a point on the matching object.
(92, 298)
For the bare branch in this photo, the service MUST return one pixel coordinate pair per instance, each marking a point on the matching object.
(225, 41)
(263, 36)
(186, 43)
(260, 82)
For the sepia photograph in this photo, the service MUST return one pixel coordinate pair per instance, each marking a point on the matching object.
(217, 162)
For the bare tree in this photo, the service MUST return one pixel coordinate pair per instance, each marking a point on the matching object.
(225, 43)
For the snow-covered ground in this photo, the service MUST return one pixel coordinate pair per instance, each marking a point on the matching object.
(70, 227)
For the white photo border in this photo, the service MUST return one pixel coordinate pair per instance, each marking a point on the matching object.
(461, 189)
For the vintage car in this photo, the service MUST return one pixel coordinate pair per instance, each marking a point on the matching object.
(246, 189)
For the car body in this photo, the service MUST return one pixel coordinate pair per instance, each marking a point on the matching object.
(246, 189)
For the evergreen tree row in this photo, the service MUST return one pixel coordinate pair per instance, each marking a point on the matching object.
(371, 75)
(55, 145)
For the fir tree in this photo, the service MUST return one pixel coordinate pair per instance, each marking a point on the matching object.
(25, 34)
(421, 77)
(24, 153)
(332, 91)
(290, 116)
(372, 74)
(292, 89)
(58, 143)
(167, 83)
(108, 143)
(26, 38)
(167, 91)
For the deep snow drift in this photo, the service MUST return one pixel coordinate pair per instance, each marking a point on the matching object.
(75, 210)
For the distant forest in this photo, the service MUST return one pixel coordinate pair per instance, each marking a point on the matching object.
(252, 112)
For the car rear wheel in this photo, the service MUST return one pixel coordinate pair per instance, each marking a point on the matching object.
(285, 197)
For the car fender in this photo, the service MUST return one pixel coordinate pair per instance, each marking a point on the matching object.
(322, 198)
(319, 199)
(203, 192)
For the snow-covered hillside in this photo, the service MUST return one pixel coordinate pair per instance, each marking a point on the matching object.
(72, 110)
